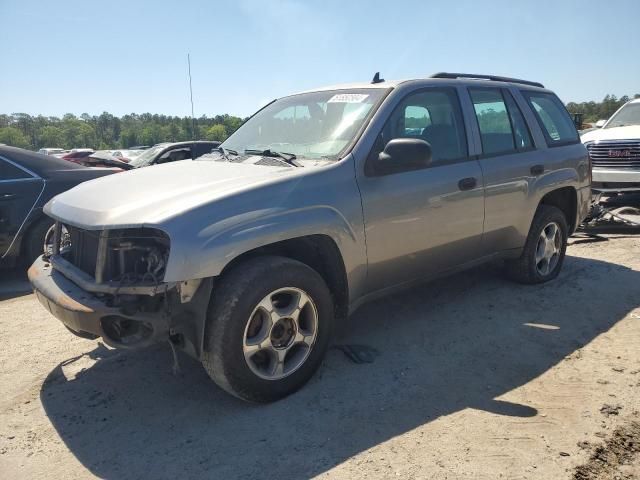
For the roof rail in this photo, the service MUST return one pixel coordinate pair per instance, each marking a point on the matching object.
(486, 77)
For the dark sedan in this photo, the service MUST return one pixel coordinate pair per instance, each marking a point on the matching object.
(27, 181)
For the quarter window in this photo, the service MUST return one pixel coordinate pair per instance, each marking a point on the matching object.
(433, 115)
(554, 120)
(9, 171)
(493, 120)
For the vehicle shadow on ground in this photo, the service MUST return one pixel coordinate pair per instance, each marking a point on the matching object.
(14, 283)
(457, 343)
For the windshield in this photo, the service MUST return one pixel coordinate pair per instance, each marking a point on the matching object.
(627, 115)
(147, 156)
(310, 125)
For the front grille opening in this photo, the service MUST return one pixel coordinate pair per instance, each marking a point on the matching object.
(83, 249)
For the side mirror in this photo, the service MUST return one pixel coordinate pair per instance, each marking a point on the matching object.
(600, 123)
(403, 154)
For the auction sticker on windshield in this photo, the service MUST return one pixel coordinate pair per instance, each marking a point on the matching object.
(348, 98)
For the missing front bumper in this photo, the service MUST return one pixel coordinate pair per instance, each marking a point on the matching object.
(180, 314)
(88, 315)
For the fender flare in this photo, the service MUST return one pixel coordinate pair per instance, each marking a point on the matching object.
(219, 244)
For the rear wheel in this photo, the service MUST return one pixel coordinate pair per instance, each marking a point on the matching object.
(269, 325)
(544, 251)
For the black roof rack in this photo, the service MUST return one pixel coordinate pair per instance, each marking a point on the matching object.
(486, 77)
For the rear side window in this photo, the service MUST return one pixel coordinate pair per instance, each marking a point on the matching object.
(493, 120)
(9, 171)
(554, 120)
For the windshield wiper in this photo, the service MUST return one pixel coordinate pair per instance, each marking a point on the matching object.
(225, 152)
(290, 158)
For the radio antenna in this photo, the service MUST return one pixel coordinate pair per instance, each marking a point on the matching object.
(193, 121)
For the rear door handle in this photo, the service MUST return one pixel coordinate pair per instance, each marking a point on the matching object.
(7, 196)
(537, 170)
(468, 183)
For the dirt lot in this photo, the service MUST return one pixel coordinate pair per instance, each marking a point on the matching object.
(476, 378)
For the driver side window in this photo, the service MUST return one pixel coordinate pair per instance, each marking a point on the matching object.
(433, 115)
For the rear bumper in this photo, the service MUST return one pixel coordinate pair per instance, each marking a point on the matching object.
(615, 179)
(88, 315)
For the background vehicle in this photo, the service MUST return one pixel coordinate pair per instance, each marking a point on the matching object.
(51, 151)
(171, 152)
(104, 158)
(27, 181)
(321, 201)
(77, 154)
(126, 155)
(615, 150)
(160, 153)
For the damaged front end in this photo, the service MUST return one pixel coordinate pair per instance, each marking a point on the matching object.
(111, 284)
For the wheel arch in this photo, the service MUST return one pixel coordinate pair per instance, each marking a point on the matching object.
(566, 200)
(320, 252)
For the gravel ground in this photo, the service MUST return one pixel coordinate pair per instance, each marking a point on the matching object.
(476, 377)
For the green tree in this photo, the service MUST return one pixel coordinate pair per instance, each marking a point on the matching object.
(14, 137)
(217, 133)
(51, 136)
(106, 131)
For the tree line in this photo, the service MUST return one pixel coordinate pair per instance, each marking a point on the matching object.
(594, 111)
(106, 131)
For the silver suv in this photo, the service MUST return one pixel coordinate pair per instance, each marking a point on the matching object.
(247, 258)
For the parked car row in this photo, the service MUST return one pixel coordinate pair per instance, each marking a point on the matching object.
(247, 258)
(135, 157)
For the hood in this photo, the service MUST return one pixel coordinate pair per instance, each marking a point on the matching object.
(616, 133)
(149, 196)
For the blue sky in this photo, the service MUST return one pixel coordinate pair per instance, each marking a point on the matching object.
(130, 56)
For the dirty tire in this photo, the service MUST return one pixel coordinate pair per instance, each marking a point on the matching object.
(524, 269)
(235, 297)
(34, 246)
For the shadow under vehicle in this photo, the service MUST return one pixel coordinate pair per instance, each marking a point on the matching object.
(127, 416)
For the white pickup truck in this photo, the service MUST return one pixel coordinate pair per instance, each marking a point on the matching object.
(615, 150)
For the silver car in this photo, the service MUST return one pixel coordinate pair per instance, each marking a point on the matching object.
(247, 258)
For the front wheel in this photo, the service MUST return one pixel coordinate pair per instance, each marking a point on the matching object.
(543, 253)
(39, 237)
(269, 325)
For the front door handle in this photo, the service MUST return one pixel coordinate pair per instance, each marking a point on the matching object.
(7, 196)
(537, 170)
(468, 183)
